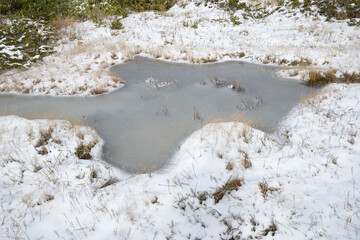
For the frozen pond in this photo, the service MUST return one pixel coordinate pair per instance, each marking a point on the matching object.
(144, 122)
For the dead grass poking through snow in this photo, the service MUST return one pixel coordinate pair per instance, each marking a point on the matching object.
(232, 184)
(98, 91)
(84, 151)
(246, 163)
(319, 78)
(264, 188)
(110, 182)
(272, 228)
(45, 136)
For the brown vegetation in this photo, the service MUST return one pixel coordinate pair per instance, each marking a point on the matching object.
(232, 184)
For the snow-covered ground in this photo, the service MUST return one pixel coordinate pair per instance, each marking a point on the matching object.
(189, 33)
(228, 180)
(299, 183)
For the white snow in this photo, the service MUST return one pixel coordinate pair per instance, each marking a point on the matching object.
(308, 171)
(311, 167)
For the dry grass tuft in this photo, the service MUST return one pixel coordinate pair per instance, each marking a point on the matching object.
(264, 188)
(48, 197)
(197, 115)
(37, 168)
(317, 78)
(93, 175)
(229, 166)
(202, 196)
(352, 77)
(236, 86)
(155, 200)
(208, 60)
(44, 137)
(98, 91)
(304, 62)
(83, 151)
(42, 151)
(232, 184)
(246, 163)
(216, 81)
(271, 229)
(109, 182)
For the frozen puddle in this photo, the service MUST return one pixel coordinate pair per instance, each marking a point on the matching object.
(143, 123)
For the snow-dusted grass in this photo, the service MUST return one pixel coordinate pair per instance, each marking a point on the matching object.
(197, 34)
(23, 42)
(301, 182)
(227, 179)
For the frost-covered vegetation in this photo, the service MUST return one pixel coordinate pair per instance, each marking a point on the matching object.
(23, 42)
(227, 180)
